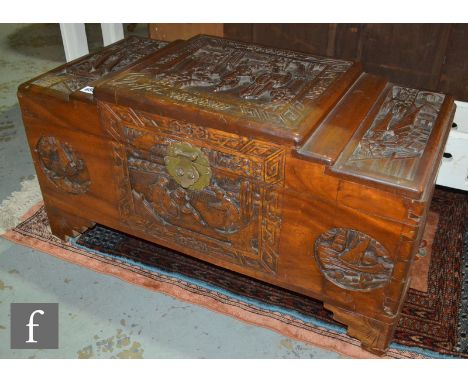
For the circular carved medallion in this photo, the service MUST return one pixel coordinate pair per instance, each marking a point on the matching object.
(188, 166)
(62, 165)
(352, 259)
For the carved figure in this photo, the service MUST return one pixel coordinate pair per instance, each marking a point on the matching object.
(218, 210)
(402, 127)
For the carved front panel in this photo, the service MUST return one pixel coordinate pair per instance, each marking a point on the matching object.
(215, 192)
(108, 60)
(256, 83)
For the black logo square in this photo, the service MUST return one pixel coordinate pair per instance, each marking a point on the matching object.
(34, 326)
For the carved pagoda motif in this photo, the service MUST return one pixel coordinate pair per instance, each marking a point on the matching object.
(62, 165)
(352, 259)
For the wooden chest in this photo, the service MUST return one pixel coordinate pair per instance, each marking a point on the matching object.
(297, 170)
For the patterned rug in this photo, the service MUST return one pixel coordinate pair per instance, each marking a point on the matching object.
(434, 321)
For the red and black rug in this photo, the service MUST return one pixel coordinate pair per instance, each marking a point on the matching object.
(434, 321)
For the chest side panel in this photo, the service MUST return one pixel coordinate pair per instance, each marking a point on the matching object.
(86, 70)
(211, 191)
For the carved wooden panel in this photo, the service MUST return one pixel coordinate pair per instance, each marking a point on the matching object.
(257, 83)
(62, 165)
(396, 137)
(91, 68)
(235, 216)
(402, 127)
(353, 260)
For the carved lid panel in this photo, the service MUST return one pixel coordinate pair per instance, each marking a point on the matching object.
(235, 86)
(399, 144)
(85, 71)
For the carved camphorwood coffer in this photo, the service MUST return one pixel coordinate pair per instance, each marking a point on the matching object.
(297, 170)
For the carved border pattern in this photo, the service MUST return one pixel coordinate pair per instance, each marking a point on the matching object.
(251, 158)
(261, 162)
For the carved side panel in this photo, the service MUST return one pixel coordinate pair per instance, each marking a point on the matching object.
(402, 127)
(231, 206)
(397, 137)
(62, 165)
(108, 60)
(353, 260)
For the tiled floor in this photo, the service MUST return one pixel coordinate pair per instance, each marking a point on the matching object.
(100, 316)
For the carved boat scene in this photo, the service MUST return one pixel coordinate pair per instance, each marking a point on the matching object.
(353, 260)
(62, 165)
(213, 210)
(223, 220)
(213, 191)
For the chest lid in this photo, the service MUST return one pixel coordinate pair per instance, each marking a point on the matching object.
(76, 79)
(237, 87)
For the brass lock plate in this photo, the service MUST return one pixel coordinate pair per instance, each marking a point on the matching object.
(188, 166)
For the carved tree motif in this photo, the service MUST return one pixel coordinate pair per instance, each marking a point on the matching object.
(62, 165)
(353, 260)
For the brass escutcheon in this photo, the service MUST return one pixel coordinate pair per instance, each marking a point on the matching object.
(188, 166)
